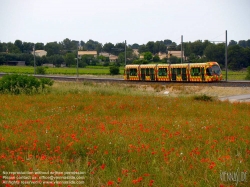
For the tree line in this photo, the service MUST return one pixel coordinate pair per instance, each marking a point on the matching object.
(65, 52)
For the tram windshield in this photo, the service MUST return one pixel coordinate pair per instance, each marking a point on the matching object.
(214, 70)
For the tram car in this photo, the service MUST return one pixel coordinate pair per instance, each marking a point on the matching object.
(190, 72)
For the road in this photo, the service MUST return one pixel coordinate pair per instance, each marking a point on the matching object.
(236, 98)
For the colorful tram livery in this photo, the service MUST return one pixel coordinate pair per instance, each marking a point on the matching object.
(191, 72)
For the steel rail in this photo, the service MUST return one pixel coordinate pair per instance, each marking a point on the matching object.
(117, 80)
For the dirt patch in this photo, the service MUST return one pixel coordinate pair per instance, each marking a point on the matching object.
(214, 91)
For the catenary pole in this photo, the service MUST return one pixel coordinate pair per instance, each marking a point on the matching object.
(77, 72)
(226, 54)
(181, 48)
(34, 59)
(125, 54)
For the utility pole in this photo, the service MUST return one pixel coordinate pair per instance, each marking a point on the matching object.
(125, 54)
(226, 54)
(181, 48)
(77, 72)
(34, 59)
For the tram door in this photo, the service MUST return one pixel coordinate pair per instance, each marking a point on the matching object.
(127, 72)
(203, 74)
(184, 74)
(152, 74)
(174, 72)
(143, 74)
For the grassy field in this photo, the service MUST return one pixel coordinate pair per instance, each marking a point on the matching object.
(97, 70)
(119, 136)
(89, 70)
(235, 75)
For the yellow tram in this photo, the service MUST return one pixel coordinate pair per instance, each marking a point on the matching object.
(191, 72)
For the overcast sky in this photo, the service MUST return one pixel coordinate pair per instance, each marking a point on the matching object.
(137, 21)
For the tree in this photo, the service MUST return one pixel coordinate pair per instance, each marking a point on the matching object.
(186, 48)
(88, 59)
(192, 58)
(173, 60)
(56, 60)
(70, 59)
(27, 47)
(215, 52)
(247, 56)
(52, 48)
(98, 48)
(150, 46)
(19, 45)
(232, 42)
(242, 43)
(44, 60)
(143, 48)
(172, 47)
(13, 48)
(248, 43)
(82, 43)
(1, 47)
(68, 45)
(108, 47)
(148, 56)
(91, 45)
(140, 61)
(248, 73)
(156, 58)
(236, 57)
(130, 56)
(197, 48)
(114, 70)
(28, 58)
(39, 46)
(159, 46)
(135, 46)
(2, 59)
(167, 42)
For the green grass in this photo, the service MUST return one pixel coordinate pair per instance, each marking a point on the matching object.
(91, 70)
(235, 75)
(121, 136)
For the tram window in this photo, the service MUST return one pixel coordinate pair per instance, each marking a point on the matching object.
(195, 71)
(178, 71)
(216, 70)
(162, 72)
(174, 70)
(147, 72)
(209, 71)
(183, 70)
(133, 72)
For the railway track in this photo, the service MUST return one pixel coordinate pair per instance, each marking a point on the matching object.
(120, 80)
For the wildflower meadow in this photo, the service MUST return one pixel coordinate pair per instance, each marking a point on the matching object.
(113, 135)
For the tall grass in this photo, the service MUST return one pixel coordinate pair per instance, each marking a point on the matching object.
(121, 136)
(91, 70)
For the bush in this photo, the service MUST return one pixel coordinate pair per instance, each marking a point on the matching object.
(248, 73)
(203, 98)
(17, 84)
(106, 64)
(114, 70)
(40, 70)
(46, 82)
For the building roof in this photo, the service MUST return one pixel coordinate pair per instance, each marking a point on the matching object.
(113, 57)
(38, 51)
(104, 54)
(87, 53)
(174, 52)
